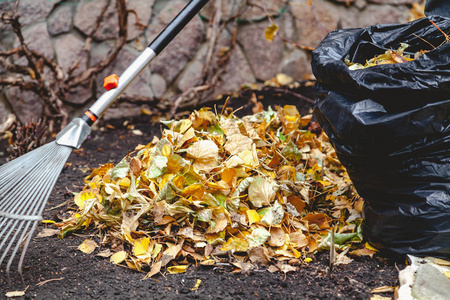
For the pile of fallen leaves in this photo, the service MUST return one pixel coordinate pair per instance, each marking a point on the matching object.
(216, 189)
(389, 57)
(395, 56)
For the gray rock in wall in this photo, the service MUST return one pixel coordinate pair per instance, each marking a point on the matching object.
(261, 8)
(371, 15)
(37, 38)
(89, 11)
(69, 53)
(60, 20)
(264, 56)
(34, 11)
(27, 105)
(229, 8)
(237, 71)
(314, 19)
(158, 85)
(296, 64)
(192, 73)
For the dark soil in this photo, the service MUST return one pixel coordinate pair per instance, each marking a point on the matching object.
(66, 273)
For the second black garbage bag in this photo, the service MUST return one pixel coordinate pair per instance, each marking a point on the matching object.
(390, 126)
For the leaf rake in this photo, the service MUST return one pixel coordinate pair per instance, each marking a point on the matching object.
(26, 182)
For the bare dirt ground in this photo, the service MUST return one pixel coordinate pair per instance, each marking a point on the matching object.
(55, 269)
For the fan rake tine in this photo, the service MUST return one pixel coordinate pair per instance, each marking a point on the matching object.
(24, 195)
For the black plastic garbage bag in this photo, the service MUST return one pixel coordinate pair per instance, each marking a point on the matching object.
(390, 126)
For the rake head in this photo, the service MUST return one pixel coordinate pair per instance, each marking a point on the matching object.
(25, 185)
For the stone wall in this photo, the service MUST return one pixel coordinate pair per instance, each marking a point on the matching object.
(59, 30)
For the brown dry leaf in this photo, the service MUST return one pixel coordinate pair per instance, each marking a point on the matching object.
(261, 192)
(297, 202)
(170, 253)
(298, 239)
(320, 219)
(204, 151)
(362, 252)
(221, 222)
(105, 253)
(277, 237)
(259, 256)
(155, 269)
(238, 143)
(46, 232)
(87, 246)
(273, 269)
(244, 267)
(286, 268)
(229, 126)
(441, 262)
(135, 166)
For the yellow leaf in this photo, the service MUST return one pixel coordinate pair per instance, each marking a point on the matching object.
(383, 289)
(284, 79)
(208, 262)
(197, 284)
(140, 246)
(370, 247)
(88, 246)
(156, 250)
(185, 125)
(125, 182)
(196, 190)
(118, 257)
(271, 32)
(190, 134)
(253, 216)
(85, 195)
(166, 150)
(177, 269)
(308, 260)
(146, 111)
(48, 221)
(447, 274)
(441, 262)
(235, 245)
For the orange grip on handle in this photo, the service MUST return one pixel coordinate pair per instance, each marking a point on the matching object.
(112, 81)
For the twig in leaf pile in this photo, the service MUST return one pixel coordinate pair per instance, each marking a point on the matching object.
(332, 252)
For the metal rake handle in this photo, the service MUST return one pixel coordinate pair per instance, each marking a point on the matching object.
(76, 132)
